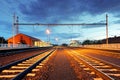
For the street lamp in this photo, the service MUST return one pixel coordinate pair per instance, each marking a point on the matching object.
(56, 40)
(48, 33)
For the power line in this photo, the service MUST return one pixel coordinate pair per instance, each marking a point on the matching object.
(54, 24)
(66, 24)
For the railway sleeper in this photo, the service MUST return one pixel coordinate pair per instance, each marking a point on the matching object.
(2, 77)
(109, 70)
(24, 64)
(103, 67)
(19, 67)
(116, 75)
(12, 71)
(114, 72)
(97, 79)
(95, 62)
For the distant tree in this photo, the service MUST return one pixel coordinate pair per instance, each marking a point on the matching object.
(64, 44)
(2, 40)
(86, 42)
(55, 44)
(80, 42)
(99, 42)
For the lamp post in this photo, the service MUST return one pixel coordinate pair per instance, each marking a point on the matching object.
(48, 33)
(107, 30)
(56, 40)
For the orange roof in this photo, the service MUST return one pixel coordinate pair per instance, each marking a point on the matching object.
(35, 39)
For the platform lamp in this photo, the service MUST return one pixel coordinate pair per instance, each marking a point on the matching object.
(56, 40)
(48, 33)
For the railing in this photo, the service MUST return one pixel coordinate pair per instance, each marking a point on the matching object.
(5, 46)
(105, 46)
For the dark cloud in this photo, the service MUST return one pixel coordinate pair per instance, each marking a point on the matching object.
(51, 10)
(54, 10)
(101, 6)
(96, 25)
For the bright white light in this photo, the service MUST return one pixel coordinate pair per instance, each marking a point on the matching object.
(47, 31)
(56, 39)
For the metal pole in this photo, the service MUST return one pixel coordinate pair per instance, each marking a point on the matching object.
(14, 20)
(17, 27)
(54, 24)
(106, 29)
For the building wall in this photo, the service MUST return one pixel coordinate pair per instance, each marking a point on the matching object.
(42, 44)
(21, 39)
(74, 43)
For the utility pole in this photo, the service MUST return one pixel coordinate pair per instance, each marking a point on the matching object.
(13, 28)
(17, 27)
(106, 29)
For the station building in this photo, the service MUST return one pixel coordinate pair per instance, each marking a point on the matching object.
(42, 44)
(22, 39)
(74, 43)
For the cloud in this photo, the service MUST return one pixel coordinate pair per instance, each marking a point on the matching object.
(95, 25)
(117, 22)
(101, 6)
(54, 10)
(51, 10)
(59, 11)
(67, 35)
(6, 25)
(117, 15)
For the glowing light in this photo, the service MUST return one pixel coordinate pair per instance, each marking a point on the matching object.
(47, 31)
(56, 39)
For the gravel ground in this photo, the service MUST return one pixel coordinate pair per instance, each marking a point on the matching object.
(60, 65)
(60, 68)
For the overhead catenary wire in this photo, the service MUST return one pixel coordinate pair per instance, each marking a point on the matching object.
(64, 24)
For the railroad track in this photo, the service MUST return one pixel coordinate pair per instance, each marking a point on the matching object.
(25, 67)
(20, 50)
(99, 69)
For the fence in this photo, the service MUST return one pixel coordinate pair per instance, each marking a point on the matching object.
(13, 46)
(105, 46)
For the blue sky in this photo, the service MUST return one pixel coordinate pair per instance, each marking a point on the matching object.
(61, 11)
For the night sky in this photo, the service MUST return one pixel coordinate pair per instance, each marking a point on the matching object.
(61, 11)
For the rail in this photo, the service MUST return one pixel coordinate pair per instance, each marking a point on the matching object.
(16, 62)
(22, 74)
(104, 70)
(33, 61)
